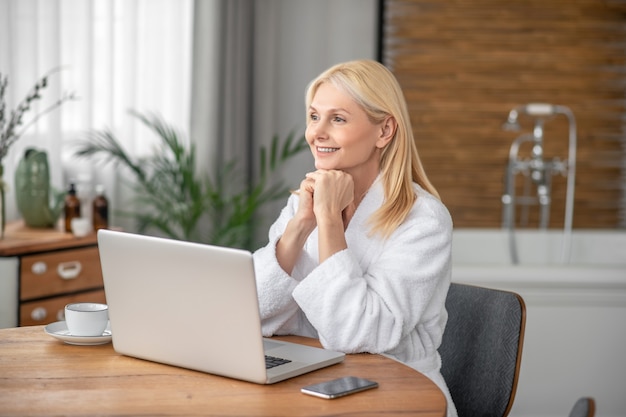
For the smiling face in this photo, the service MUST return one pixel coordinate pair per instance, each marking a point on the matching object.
(341, 135)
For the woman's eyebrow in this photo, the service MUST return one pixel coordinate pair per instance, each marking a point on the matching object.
(332, 110)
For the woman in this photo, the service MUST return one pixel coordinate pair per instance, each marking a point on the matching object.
(360, 255)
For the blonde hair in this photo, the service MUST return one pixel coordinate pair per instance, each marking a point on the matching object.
(376, 90)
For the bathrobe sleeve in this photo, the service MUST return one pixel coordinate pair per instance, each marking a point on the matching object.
(378, 296)
(280, 314)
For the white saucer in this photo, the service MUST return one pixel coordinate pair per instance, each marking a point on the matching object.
(59, 331)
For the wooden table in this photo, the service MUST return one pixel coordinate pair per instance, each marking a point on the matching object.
(40, 375)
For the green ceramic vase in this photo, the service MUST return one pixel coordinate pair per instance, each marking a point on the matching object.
(33, 192)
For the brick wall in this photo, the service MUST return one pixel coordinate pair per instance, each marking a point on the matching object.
(463, 64)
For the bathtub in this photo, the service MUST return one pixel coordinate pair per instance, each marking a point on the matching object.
(485, 253)
(576, 312)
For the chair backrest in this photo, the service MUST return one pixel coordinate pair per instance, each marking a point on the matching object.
(584, 407)
(481, 349)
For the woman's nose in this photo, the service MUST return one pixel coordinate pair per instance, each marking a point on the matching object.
(315, 131)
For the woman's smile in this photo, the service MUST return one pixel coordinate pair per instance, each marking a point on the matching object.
(321, 149)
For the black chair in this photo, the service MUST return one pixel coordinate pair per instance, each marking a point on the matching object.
(584, 407)
(481, 349)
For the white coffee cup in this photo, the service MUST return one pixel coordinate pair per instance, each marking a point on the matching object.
(80, 226)
(86, 319)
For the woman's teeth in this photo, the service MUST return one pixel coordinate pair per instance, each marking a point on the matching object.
(327, 150)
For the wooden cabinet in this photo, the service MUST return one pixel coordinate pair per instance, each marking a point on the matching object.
(45, 269)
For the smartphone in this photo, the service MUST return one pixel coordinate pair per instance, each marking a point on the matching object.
(339, 387)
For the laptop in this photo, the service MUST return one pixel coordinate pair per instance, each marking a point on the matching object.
(194, 306)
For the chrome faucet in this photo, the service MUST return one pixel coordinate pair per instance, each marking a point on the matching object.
(538, 172)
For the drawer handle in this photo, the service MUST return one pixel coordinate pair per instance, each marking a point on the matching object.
(39, 268)
(39, 314)
(69, 270)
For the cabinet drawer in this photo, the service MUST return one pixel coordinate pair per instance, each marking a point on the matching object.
(60, 272)
(48, 311)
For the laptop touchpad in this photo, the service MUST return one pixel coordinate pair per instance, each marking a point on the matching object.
(268, 344)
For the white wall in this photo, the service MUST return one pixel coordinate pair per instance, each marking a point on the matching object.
(297, 40)
(9, 291)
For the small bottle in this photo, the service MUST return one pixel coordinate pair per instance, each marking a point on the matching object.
(72, 207)
(100, 207)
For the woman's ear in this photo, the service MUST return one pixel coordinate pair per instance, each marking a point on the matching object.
(388, 131)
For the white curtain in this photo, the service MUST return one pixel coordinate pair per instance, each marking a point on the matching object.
(115, 55)
(222, 106)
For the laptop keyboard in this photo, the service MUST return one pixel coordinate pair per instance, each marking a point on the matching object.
(271, 361)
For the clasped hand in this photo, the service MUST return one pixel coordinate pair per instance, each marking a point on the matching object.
(326, 195)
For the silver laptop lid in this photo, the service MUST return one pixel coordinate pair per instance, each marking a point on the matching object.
(183, 304)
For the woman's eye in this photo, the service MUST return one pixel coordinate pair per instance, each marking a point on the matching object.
(339, 119)
(313, 117)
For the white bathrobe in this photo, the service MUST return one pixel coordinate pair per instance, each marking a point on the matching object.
(377, 296)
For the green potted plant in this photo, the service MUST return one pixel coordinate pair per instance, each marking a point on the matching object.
(173, 200)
